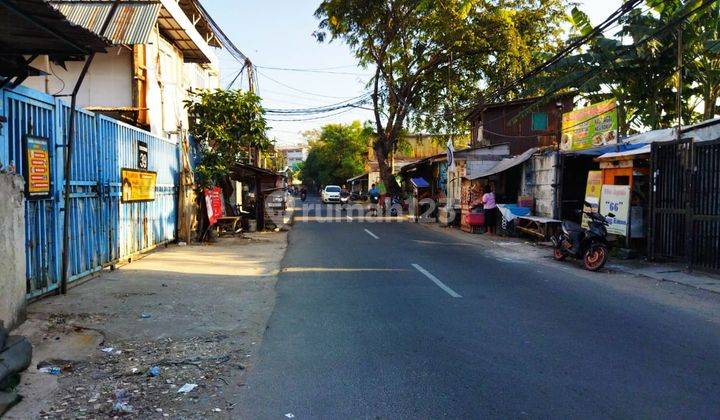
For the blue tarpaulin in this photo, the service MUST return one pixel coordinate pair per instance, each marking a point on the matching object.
(420, 182)
(597, 151)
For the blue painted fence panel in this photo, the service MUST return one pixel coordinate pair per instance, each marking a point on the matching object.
(30, 112)
(103, 230)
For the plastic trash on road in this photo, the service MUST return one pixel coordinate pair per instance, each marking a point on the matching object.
(52, 370)
(154, 371)
(186, 388)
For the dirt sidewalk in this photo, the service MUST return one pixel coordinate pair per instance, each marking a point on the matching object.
(195, 313)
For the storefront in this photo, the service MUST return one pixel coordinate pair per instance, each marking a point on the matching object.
(626, 175)
(359, 185)
(505, 179)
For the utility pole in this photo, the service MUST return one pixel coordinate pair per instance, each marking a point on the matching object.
(678, 99)
(67, 167)
(250, 75)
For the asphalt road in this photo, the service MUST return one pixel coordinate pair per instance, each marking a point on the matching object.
(395, 320)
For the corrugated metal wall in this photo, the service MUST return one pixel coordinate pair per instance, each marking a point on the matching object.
(103, 230)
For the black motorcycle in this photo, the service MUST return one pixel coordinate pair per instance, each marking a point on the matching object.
(592, 247)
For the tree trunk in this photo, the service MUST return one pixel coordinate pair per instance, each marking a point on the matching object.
(622, 116)
(383, 153)
(710, 98)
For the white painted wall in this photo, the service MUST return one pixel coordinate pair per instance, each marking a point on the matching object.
(12, 250)
(169, 80)
(107, 83)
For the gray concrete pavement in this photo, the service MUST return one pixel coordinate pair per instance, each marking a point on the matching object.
(359, 332)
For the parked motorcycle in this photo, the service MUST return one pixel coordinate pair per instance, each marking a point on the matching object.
(396, 206)
(344, 200)
(358, 196)
(589, 244)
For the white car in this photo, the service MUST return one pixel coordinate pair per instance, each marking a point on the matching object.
(331, 194)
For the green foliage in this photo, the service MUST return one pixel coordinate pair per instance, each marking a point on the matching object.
(643, 75)
(227, 125)
(337, 152)
(430, 54)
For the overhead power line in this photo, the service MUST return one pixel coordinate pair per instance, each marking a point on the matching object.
(671, 25)
(296, 89)
(314, 71)
(224, 39)
(567, 50)
(312, 118)
(353, 103)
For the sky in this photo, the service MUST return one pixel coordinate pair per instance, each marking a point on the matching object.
(278, 34)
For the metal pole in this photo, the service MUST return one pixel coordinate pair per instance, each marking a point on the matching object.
(557, 208)
(65, 275)
(678, 102)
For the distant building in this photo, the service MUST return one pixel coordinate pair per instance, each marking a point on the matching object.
(411, 148)
(161, 50)
(294, 155)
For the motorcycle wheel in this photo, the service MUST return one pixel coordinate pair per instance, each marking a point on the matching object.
(595, 257)
(558, 254)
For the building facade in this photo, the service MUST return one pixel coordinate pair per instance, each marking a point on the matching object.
(294, 155)
(161, 51)
(524, 123)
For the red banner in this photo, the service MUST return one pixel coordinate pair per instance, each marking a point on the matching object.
(214, 204)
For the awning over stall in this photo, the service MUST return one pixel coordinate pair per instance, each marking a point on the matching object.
(420, 182)
(627, 153)
(353, 179)
(597, 151)
(505, 164)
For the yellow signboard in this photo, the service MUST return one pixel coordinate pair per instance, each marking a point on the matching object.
(137, 185)
(593, 126)
(37, 167)
(592, 194)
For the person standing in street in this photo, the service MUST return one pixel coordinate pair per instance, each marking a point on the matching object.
(383, 195)
(489, 209)
(374, 194)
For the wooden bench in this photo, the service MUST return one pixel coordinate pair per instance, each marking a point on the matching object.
(540, 227)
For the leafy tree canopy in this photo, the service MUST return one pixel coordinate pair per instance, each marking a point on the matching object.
(429, 54)
(228, 125)
(337, 153)
(637, 64)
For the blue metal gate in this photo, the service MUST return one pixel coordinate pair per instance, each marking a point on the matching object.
(103, 230)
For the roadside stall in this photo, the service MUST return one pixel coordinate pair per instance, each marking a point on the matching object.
(420, 193)
(429, 170)
(359, 186)
(625, 192)
(506, 179)
(255, 181)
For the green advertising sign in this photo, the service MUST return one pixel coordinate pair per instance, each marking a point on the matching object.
(593, 126)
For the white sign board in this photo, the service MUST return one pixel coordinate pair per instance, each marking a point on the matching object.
(615, 199)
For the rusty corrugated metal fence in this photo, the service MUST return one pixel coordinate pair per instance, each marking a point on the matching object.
(103, 230)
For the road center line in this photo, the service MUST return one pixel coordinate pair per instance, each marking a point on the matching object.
(437, 281)
(372, 234)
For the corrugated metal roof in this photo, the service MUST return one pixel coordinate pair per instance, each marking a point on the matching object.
(131, 24)
(505, 164)
(20, 21)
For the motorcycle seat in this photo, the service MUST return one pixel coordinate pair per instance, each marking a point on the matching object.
(570, 227)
